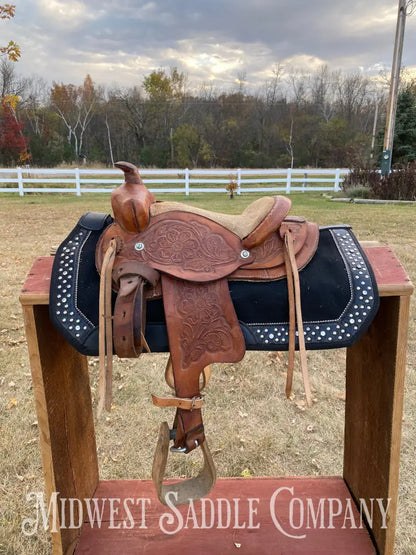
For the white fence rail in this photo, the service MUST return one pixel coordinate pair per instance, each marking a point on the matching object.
(79, 181)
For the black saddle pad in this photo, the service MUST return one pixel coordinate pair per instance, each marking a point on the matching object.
(338, 291)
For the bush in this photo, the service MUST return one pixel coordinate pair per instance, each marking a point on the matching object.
(359, 178)
(400, 184)
(359, 192)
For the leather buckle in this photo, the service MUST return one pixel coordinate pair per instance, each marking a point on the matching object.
(181, 492)
(183, 403)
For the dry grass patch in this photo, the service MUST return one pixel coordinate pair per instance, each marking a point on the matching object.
(251, 428)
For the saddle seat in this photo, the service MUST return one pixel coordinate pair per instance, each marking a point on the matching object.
(134, 207)
(263, 216)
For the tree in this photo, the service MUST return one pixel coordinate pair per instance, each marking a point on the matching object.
(13, 144)
(11, 50)
(165, 108)
(75, 106)
(404, 144)
(190, 148)
(10, 82)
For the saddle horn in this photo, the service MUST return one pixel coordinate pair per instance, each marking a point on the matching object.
(131, 201)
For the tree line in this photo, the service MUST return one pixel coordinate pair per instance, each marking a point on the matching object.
(323, 119)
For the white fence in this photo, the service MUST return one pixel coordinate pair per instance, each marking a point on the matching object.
(78, 180)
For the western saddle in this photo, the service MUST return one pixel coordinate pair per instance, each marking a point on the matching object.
(188, 255)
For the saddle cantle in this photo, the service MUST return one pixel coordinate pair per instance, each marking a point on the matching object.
(210, 286)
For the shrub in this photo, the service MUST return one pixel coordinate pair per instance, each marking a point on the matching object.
(359, 192)
(400, 184)
(231, 187)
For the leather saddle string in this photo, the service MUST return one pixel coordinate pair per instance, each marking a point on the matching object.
(106, 331)
(292, 322)
(295, 314)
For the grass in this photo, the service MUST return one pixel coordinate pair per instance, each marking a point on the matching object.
(250, 425)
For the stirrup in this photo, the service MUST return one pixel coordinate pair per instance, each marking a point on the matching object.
(180, 493)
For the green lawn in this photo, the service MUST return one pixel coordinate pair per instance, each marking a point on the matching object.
(251, 426)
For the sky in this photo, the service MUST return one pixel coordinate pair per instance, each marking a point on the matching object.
(119, 43)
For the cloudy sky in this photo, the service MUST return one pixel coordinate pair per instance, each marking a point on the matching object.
(210, 40)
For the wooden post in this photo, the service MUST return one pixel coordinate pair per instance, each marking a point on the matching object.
(187, 182)
(374, 400)
(20, 182)
(337, 178)
(77, 182)
(288, 180)
(239, 181)
(64, 412)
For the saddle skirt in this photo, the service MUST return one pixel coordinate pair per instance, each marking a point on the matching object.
(206, 287)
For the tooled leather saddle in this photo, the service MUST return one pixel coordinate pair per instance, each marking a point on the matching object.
(211, 286)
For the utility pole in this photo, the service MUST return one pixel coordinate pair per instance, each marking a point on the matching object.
(373, 136)
(406, 7)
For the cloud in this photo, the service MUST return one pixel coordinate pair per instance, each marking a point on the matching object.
(63, 14)
(216, 40)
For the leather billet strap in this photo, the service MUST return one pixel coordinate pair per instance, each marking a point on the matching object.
(130, 277)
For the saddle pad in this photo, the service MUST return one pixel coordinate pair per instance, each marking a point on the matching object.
(338, 291)
(75, 284)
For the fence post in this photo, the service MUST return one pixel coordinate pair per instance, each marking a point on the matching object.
(239, 181)
(77, 182)
(305, 181)
(187, 182)
(20, 181)
(288, 180)
(336, 183)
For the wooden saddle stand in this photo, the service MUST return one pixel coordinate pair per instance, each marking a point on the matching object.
(194, 259)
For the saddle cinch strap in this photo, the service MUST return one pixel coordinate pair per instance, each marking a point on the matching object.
(196, 253)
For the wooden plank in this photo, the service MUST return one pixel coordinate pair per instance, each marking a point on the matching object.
(262, 526)
(36, 287)
(42, 416)
(373, 413)
(64, 411)
(390, 275)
